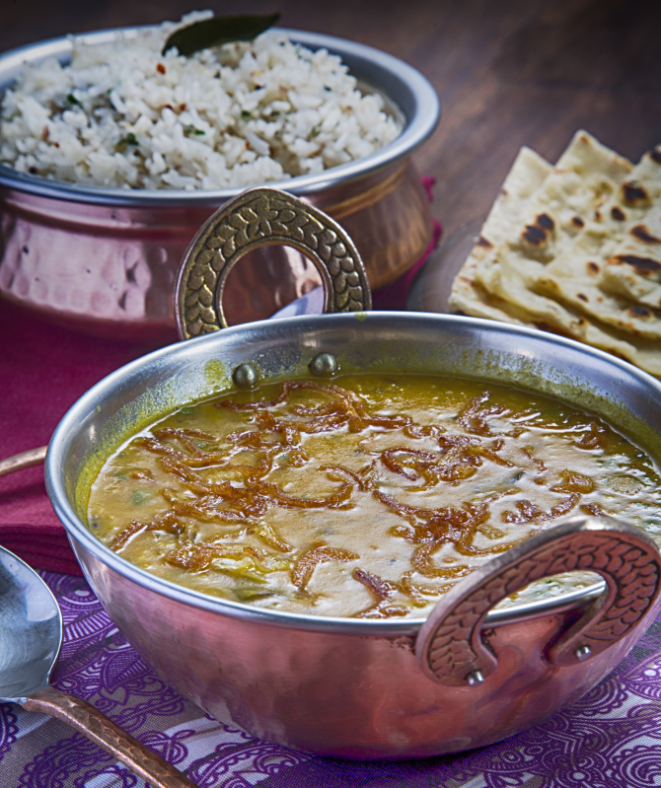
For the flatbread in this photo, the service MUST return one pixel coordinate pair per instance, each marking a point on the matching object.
(634, 269)
(575, 250)
(587, 175)
(468, 297)
(624, 233)
(561, 214)
(546, 313)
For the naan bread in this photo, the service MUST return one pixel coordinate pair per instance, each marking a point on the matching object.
(585, 177)
(526, 175)
(548, 314)
(585, 208)
(634, 270)
(625, 232)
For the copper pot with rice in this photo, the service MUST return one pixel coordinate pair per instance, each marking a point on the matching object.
(470, 672)
(104, 259)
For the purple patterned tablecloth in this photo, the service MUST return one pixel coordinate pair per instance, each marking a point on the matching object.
(611, 738)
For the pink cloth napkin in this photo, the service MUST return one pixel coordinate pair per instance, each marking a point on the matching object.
(44, 369)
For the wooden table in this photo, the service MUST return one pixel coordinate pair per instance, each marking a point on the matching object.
(508, 72)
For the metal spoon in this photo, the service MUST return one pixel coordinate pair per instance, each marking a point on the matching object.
(26, 459)
(30, 640)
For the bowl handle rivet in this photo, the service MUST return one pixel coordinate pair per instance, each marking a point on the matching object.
(245, 376)
(324, 364)
(582, 652)
(475, 677)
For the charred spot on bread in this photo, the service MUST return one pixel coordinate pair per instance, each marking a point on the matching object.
(655, 154)
(537, 233)
(639, 311)
(618, 214)
(577, 221)
(582, 296)
(641, 233)
(634, 194)
(593, 268)
(643, 265)
(484, 242)
(534, 235)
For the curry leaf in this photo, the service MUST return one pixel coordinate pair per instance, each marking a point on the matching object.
(129, 139)
(219, 30)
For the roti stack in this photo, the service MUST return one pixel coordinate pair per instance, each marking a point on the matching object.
(574, 249)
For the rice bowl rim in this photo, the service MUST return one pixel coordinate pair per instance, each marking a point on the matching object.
(400, 83)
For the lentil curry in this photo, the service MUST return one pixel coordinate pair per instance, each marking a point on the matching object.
(367, 497)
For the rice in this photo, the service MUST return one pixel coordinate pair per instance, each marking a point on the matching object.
(124, 115)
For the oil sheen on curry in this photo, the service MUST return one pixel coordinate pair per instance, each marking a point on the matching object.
(367, 497)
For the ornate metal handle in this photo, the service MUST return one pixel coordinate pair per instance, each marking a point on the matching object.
(260, 217)
(98, 728)
(449, 646)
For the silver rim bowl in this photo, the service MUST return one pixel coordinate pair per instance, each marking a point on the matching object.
(343, 687)
(409, 91)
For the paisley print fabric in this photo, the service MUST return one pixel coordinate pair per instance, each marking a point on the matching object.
(611, 738)
(98, 665)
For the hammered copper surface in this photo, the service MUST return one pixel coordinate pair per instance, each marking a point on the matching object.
(349, 695)
(353, 687)
(255, 219)
(111, 269)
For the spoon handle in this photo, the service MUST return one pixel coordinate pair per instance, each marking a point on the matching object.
(26, 459)
(98, 728)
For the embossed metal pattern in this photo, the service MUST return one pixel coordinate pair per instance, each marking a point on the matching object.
(85, 718)
(260, 217)
(450, 646)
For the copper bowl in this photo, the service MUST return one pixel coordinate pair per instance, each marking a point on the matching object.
(467, 676)
(104, 260)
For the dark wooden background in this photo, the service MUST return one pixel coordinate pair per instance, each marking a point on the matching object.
(508, 72)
